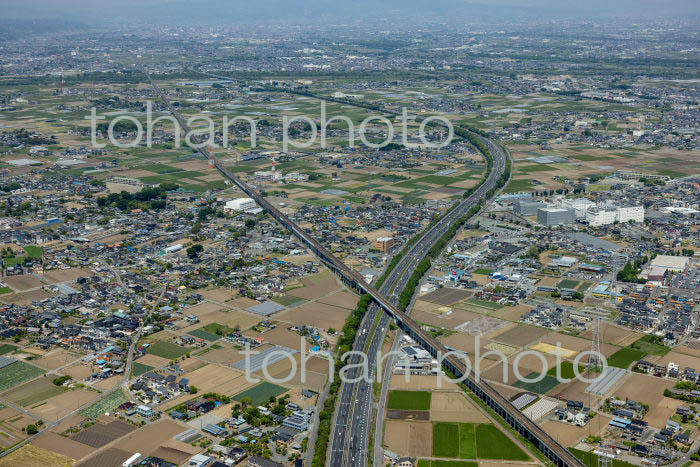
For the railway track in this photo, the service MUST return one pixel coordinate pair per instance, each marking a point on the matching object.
(559, 455)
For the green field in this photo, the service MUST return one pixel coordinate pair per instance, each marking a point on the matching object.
(492, 443)
(473, 441)
(445, 439)
(518, 185)
(409, 400)
(483, 271)
(202, 334)
(218, 329)
(33, 251)
(166, 350)
(288, 300)
(546, 384)
(467, 441)
(526, 169)
(17, 373)
(568, 284)
(48, 393)
(567, 370)
(4, 290)
(6, 348)
(261, 393)
(442, 463)
(106, 404)
(140, 368)
(485, 304)
(623, 358)
(651, 345)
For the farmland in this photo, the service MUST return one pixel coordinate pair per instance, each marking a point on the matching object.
(140, 368)
(409, 400)
(106, 404)
(17, 373)
(544, 385)
(623, 358)
(166, 350)
(261, 393)
(444, 463)
(33, 392)
(474, 441)
(446, 440)
(491, 443)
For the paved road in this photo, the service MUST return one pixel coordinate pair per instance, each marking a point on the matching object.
(352, 427)
(488, 394)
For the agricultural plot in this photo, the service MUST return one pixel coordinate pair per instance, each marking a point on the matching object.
(104, 405)
(567, 370)
(623, 358)
(261, 393)
(17, 373)
(541, 387)
(446, 440)
(444, 463)
(34, 392)
(6, 348)
(650, 346)
(166, 350)
(202, 334)
(474, 441)
(30, 455)
(140, 368)
(492, 443)
(409, 400)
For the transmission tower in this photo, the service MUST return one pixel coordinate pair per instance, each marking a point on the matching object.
(604, 456)
(594, 362)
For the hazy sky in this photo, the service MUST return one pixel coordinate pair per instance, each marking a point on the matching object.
(260, 11)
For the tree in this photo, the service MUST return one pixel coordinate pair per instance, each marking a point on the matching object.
(246, 401)
(193, 390)
(32, 429)
(194, 251)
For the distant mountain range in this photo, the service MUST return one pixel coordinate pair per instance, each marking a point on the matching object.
(231, 12)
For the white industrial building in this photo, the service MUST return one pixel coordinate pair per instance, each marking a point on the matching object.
(240, 204)
(579, 205)
(610, 214)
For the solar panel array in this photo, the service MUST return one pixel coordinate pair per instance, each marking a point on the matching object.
(523, 400)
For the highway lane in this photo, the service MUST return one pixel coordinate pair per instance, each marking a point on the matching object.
(353, 418)
(490, 396)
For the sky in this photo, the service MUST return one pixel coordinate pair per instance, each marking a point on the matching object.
(217, 12)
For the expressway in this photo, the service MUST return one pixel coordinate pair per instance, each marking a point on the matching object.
(553, 450)
(352, 427)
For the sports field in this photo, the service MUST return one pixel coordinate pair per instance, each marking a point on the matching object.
(409, 400)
